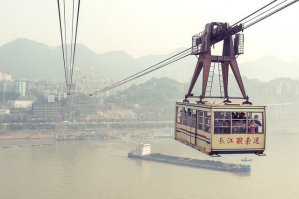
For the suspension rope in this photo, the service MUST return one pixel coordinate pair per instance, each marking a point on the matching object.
(62, 43)
(68, 61)
(175, 58)
(150, 69)
(271, 13)
(240, 21)
(165, 62)
(72, 37)
(244, 23)
(65, 38)
(155, 65)
(76, 33)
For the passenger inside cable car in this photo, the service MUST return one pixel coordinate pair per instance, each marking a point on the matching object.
(237, 123)
(222, 123)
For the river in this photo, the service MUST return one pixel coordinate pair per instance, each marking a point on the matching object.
(48, 169)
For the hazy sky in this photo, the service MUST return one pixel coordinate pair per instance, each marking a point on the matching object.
(143, 27)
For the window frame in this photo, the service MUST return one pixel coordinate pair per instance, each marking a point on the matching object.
(209, 119)
(262, 121)
(202, 120)
(247, 113)
(224, 119)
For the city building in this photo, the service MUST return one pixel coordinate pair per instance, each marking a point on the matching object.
(21, 88)
(51, 97)
(26, 103)
(4, 111)
(81, 105)
(47, 111)
(5, 77)
(18, 115)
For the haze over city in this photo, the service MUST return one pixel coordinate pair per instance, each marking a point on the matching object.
(141, 27)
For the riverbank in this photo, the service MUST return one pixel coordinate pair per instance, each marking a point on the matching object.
(273, 127)
(108, 134)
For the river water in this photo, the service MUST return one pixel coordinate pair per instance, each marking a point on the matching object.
(100, 169)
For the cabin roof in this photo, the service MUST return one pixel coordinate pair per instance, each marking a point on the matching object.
(221, 105)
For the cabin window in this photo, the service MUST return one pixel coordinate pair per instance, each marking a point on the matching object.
(200, 120)
(186, 117)
(181, 115)
(255, 123)
(222, 122)
(207, 121)
(178, 115)
(192, 118)
(239, 122)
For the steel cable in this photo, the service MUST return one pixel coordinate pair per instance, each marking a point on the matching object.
(271, 13)
(183, 54)
(167, 61)
(244, 23)
(254, 13)
(62, 42)
(68, 62)
(72, 37)
(75, 43)
(153, 65)
(65, 38)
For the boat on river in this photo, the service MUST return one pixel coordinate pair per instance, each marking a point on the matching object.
(143, 152)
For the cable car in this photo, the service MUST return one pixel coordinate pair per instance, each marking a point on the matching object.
(224, 127)
(221, 128)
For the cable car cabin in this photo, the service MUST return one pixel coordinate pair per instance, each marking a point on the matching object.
(221, 128)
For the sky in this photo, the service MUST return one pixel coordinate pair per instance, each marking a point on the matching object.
(146, 27)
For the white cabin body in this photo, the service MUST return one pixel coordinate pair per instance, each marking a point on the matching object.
(221, 128)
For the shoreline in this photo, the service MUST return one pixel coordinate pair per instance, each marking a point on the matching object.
(52, 134)
(111, 133)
